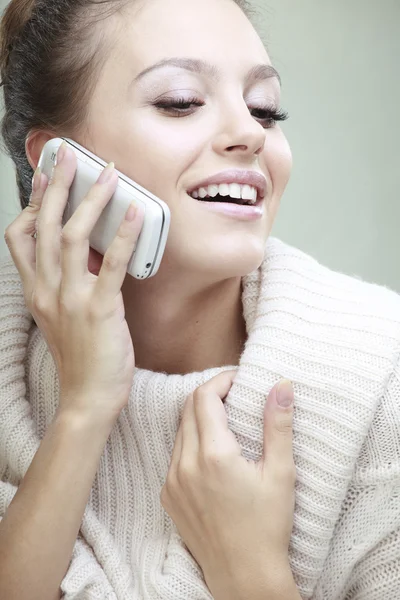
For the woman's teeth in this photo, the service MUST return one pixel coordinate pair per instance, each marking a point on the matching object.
(245, 192)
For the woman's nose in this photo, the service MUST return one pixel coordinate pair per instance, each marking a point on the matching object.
(238, 132)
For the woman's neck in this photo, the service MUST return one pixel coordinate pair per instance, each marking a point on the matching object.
(179, 331)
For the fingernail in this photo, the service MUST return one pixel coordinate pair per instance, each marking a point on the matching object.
(36, 179)
(61, 152)
(130, 213)
(106, 173)
(284, 393)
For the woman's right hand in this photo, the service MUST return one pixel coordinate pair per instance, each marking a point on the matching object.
(81, 315)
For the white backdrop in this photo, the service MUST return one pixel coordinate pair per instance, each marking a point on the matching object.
(339, 65)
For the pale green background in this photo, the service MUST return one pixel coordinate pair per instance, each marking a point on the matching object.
(339, 62)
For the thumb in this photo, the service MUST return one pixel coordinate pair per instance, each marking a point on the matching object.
(278, 426)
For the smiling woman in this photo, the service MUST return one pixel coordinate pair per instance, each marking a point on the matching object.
(145, 446)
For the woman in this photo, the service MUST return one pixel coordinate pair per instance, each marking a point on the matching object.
(129, 413)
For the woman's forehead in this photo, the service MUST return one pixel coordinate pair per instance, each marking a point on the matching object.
(212, 30)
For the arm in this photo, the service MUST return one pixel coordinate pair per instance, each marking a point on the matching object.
(40, 527)
(257, 586)
(284, 589)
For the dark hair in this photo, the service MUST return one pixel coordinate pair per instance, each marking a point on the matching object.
(50, 54)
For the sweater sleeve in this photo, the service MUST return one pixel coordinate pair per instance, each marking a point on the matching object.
(85, 579)
(377, 574)
(365, 552)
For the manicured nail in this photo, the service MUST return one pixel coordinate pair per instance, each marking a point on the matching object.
(131, 212)
(36, 179)
(106, 173)
(284, 393)
(61, 152)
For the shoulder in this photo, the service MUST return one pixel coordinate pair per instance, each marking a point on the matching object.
(356, 326)
(9, 277)
(343, 298)
(11, 288)
(280, 255)
(15, 318)
(379, 459)
(337, 331)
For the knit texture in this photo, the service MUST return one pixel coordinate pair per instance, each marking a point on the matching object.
(336, 338)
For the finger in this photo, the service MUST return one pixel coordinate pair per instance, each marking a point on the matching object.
(49, 226)
(18, 237)
(278, 427)
(190, 434)
(187, 433)
(76, 232)
(176, 451)
(212, 422)
(115, 262)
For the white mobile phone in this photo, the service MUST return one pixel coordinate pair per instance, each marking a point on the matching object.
(146, 258)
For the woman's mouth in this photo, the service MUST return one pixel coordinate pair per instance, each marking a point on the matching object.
(233, 204)
(234, 193)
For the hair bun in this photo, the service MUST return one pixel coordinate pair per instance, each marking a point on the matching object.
(15, 17)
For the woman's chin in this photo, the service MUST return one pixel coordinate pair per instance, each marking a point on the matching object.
(235, 262)
(244, 265)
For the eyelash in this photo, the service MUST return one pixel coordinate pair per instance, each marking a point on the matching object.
(179, 105)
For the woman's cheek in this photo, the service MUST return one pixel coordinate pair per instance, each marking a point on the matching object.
(281, 161)
(278, 164)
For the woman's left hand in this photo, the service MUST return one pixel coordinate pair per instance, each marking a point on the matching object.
(234, 515)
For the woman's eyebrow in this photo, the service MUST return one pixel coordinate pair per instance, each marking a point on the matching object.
(257, 73)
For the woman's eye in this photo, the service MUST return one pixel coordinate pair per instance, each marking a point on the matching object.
(269, 115)
(179, 105)
(182, 107)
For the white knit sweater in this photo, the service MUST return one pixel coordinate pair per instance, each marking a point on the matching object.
(336, 338)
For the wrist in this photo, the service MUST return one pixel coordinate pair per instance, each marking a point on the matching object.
(255, 584)
(280, 586)
(81, 422)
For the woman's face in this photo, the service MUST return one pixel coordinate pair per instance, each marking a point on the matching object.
(221, 126)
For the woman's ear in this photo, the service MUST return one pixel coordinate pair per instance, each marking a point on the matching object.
(34, 144)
